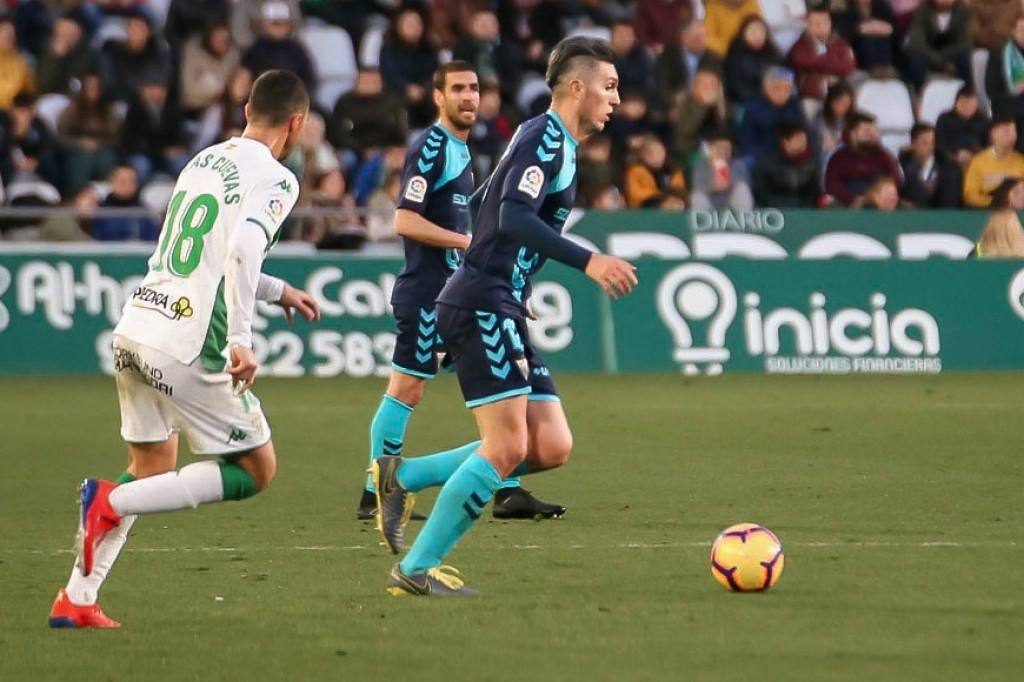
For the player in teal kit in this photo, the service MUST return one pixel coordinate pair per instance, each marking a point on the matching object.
(518, 218)
(432, 218)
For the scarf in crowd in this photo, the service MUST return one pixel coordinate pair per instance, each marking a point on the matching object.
(1013, 67)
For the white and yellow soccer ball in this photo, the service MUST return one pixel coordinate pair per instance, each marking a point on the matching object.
(747, 558)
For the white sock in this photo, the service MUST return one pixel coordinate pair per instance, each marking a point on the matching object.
(193, 485)
(85, 590)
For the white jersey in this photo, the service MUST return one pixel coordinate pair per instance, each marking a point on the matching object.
(179, 308)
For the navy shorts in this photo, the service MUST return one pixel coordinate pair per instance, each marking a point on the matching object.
(493, 357)
(417, 342)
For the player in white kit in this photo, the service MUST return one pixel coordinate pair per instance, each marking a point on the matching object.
(183, 353)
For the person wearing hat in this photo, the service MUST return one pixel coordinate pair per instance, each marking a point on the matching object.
(859, 162)
(277, 48)
(774, 105)
(991, 166)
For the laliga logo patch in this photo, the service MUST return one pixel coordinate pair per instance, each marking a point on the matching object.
(532, 181)
(275, 209)
(416, 190)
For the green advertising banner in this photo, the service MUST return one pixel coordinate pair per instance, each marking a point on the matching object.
(773, 234)
(57, 310)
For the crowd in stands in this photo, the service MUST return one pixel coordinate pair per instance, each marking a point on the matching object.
(726, 104)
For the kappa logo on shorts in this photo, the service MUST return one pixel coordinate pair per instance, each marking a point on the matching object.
(531, 182)
(236, 436)
(151, 299)
(416, 190)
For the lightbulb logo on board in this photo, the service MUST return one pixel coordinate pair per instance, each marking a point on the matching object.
(699, 305)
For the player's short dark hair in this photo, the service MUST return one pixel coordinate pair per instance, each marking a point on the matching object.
(920, 129)
(454, 66)
(276, 96)
(575, 49)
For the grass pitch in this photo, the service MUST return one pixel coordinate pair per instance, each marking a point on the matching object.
(897, 501)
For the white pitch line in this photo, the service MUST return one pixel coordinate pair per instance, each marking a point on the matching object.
(933, 544)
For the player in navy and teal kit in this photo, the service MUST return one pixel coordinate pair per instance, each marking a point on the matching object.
(518, 218)
(432, 219)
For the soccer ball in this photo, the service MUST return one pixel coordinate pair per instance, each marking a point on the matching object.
(747, 558)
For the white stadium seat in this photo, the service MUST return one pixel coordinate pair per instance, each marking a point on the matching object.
(979, 62)
(786, 19)
(938, 96)
(888, 100)
(156, 195)
(50, 107)
(330, 48)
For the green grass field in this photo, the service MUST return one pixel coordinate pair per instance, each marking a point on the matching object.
(898, 501)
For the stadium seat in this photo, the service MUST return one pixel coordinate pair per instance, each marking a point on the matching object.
(158, 10)
(112, 28)
(50, 107)
(369, 46)
(21, 191)
(330, 48)
(599, 32)
(979, 62)
(938, 96)
(157, 194)
(531, 88)
(888, 100)
(786, 20)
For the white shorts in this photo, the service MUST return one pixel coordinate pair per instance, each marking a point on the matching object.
(160, 396)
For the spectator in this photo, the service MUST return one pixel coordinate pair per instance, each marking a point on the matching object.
(595, 168)
(207, 62)
(858, 163)
(226, 118)
(652, 176)
(407, 63)
(373, 174)
(870, 28)
(991, 166)
(275, 48)
(494, 59)
(15, 72)
(73, 224)
(1004, 73)
(700, 115)
(930, 178)
(334, 223)
(992, 22)
(774, 105)
(830, 122)
(1003, 237)
(882, 195)
(186, 18)
(607, 198)
(632, 60)
(963, 130)
(491, 132)
(658, 22)
(124, 194)
(820, 57)
(632, 120)
(27, 149)
(1009, 195)
(939, 42)
(723, 19)
(380, 208)
(66, 58)
(367, 116)
(789, 175)
(719, 181)
(142, 56)
(312, 156)
(153, 136)
(751, 54)
(88, 131)
(248, 18)
(677, 64)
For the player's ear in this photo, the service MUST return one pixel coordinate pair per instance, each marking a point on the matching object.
(438, 99)
(296, 122)
(248, 112)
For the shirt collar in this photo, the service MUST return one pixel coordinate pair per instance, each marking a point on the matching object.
(451, 136)
(558, 120)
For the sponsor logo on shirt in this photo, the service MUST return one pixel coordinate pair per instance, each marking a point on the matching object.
(151, 299)
(531, 182)
(416, 190)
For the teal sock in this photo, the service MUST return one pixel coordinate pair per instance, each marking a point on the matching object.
(460, 503)
(511, 482)
(387, 430)
(417, 473)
